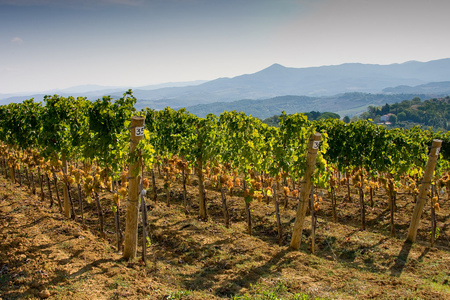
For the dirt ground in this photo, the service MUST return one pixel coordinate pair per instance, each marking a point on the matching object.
(44, 255)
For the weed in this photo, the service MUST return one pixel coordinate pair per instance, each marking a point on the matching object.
(65, 245)
(120, 281)
(436, 234)
(279, 292)
(177, 295)
(281, 287)
(300, 296)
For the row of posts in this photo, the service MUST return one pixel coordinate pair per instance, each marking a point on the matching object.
(131, 228)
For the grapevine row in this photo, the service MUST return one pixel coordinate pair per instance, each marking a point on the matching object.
(233, 149)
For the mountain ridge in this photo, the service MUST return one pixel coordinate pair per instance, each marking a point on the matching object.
(277, 80)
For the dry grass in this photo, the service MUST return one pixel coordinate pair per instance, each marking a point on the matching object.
(42, 252)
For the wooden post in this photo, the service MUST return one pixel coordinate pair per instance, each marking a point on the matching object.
(80, 202)
(131, 226)
(18, 175)
(55, 181)
(49, 187)
(183, 174)
(333, 204)
(305, 190)
(12, 173)
(203, 210)
(313, 221)
(277, 214)
(41, 183)
(433, 215)
(247, 207)
(424, 187)
(144, 216)
(66, 202)
(226, 214)
(155, 192)
(391, 205)
(361, 201)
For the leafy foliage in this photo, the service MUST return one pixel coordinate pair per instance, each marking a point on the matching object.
(431, 113)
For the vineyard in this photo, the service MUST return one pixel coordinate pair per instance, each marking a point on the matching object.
(224, 203)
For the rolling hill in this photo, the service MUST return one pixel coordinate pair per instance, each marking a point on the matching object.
(344, 104)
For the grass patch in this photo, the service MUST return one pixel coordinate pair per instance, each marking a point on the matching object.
(279, 292)
(176, 295)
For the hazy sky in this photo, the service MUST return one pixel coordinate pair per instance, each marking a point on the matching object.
(47, 44)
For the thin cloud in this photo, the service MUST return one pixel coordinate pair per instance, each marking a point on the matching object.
(71, 3)
(17, 40)
(25, 2)
(124, 2)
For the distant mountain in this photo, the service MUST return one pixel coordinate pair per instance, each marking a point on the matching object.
(344, 104)
(20, 98)
(171, 84)
(317, 85)
(278, 80)
(80, 89)
(91, 91)
(434, 88)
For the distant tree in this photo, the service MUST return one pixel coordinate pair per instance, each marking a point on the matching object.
(373, 111)
(329, 115)
(393, 119)
(416, 100)
(405, 103)
(346, 119)
(313, 115)
(385, 109)
(401, 116)
(272, 121)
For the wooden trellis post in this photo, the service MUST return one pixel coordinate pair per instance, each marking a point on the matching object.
(424, 188)
(131, 226)
(313, 148)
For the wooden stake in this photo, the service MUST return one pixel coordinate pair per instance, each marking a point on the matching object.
(362, 203)
(41, 184)
(155, 194)
(18, 175)
(80, 203)
(304, 192)
(433, 217)
(144, 216)
(333, 204)
(72, 206)
(55, 182)
(313, 221)
(203, 210)
(277, 215)
(33, 184)
(183, 174)
(131, 226)
(424, 187)
(50, 195)
(12, 173)
(226, 214)
(247, 208)
(101, 217)
(66, 202)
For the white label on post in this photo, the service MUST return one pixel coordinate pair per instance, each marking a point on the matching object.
(139, 131)
(316, 144)
(437, 151)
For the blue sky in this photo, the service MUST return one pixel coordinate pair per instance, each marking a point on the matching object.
(49, 44)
